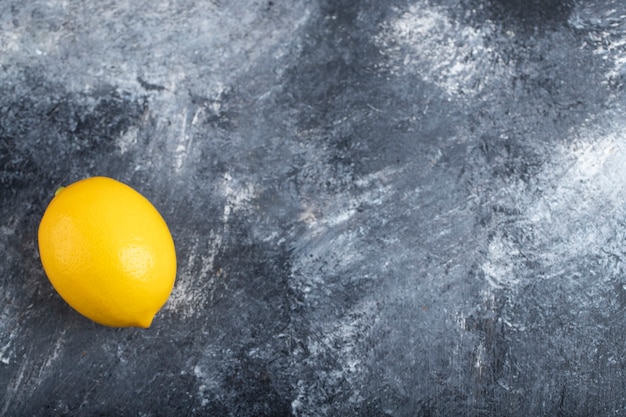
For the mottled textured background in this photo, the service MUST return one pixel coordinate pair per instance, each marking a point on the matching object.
(380, 208)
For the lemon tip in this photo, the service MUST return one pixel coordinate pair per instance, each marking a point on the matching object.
(145, 322)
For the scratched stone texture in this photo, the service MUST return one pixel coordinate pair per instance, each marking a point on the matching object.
(399, 208)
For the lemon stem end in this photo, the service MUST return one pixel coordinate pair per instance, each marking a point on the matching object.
(58, 190)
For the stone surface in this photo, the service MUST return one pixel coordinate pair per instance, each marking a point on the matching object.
(402, 208)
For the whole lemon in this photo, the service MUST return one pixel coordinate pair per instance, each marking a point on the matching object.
(108, 252)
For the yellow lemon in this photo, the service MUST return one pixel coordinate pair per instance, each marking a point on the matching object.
(108, 252)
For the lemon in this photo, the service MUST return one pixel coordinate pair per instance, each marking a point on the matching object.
(108, 252)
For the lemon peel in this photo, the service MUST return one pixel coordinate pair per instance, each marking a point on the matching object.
(108, 252)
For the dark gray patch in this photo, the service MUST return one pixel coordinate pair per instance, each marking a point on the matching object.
(527, 17)
(248, 317)
(71, 130)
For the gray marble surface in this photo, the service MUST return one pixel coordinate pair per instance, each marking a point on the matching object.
(400, 208)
